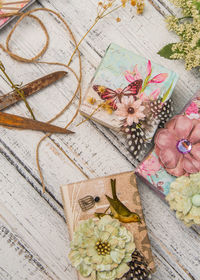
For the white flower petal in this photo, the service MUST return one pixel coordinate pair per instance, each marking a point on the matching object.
(122, 269)
(117, 255)
(85, 270)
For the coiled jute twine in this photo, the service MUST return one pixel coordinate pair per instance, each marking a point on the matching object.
(36, 58)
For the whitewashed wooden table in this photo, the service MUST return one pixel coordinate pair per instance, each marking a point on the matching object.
(34, 240)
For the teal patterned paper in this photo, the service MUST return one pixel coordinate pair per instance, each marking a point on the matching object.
(132, 95)
(118, 60)
(151, 170)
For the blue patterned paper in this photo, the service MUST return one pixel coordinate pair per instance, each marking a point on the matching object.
(118, 60)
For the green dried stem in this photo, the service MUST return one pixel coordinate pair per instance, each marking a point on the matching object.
(16, 88)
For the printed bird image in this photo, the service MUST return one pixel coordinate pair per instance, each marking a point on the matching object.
(118, 209)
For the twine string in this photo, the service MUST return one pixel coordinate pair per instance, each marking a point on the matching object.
(35, 60)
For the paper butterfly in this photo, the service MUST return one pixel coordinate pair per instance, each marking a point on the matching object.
(114, 96)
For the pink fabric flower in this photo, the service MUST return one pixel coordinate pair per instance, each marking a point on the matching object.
(130, 110)
(178, 146)
(133, 76)
(150, 166)
(160, 78)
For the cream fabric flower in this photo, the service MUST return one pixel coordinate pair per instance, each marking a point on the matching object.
(102, 249)
(130, 110)
(184, 198)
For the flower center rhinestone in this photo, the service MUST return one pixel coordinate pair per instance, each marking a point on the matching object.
(131, 110)
(103, 248)
(196, 200)
(184, 146)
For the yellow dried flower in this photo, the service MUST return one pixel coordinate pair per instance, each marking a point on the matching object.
(124, 3)
(109, 111)
(101, 89)
(106, 106)
(140, 7)
(100, 3)
(140, 11)
(133, 2)
(91, 100)
(118, 19)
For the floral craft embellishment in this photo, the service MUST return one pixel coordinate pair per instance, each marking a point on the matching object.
(101, 249)
(114, 96)
(184, 198)
(139, 114)
(130, 110)
(178, 146)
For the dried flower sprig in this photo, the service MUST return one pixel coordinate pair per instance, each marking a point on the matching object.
(103, 105)
(188, 30)
(107, 7)
(15, 87)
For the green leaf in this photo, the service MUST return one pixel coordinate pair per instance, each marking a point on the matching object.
(167, 93)
(197, 5)
(145, 82)
(166, 51)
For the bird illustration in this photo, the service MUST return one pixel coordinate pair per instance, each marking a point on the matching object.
(118, 209)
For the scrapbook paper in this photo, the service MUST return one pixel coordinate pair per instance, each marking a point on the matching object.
(151, 171)
(127, 192)
(19, 7)
(131, 95)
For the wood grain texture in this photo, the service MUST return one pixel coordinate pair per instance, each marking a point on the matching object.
(34, 241)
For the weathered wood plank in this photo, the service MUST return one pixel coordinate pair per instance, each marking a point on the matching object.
(26, 223)
(33, 228)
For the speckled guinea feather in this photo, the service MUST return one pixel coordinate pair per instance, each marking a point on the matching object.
(138, 268)
(138, 135)
(162, 111)
(135, 136)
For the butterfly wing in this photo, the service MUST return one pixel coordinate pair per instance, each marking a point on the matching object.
(133, 88)
(107, 94)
